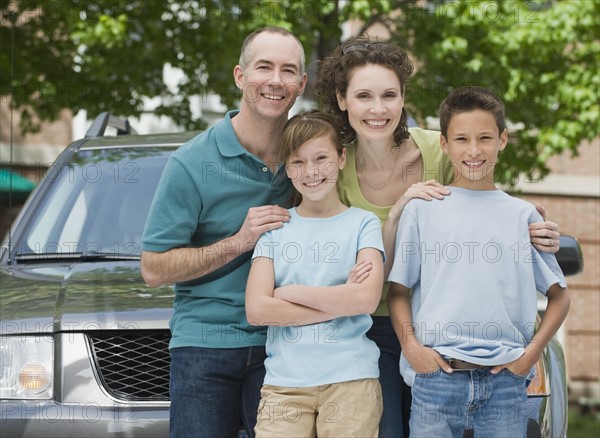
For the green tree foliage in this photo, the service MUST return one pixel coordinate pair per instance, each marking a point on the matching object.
(108, 55)
(541, 57)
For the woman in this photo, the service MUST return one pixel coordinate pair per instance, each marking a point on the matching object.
(362, 86)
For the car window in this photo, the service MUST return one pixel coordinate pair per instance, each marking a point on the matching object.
(42, 230)
(96, 203)
(73, 228)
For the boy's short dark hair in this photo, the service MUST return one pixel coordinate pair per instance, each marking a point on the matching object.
(470, 98)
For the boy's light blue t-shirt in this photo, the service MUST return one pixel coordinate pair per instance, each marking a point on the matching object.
(473, 274)
(320, 252)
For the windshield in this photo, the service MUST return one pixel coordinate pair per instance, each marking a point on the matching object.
(97, 203)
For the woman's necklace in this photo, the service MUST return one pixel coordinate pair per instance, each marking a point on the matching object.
(385, 181)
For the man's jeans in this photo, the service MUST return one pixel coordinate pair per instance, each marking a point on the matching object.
(445, 405)
(213, 390)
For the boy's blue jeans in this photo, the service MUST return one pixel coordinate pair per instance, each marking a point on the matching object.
(213, 389)
(446, 404)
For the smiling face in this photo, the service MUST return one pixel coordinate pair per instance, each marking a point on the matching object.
(314, 168)
(374, 102)
(472, 144)
(272, 79)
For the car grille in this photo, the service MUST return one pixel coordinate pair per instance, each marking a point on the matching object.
(134, 365)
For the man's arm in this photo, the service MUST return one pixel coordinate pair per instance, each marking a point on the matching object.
(184, 264)
(556, 312)
(263, 309)
(346, 299)
(422, 359)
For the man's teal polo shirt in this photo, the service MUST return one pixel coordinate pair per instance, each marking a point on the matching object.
(203, 196)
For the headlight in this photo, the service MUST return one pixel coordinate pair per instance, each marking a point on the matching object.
(26, 367)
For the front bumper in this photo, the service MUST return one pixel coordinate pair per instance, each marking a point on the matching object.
(19, 418)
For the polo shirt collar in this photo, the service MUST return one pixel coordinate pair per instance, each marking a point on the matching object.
(227, 142)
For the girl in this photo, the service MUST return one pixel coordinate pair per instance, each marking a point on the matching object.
(314, 282)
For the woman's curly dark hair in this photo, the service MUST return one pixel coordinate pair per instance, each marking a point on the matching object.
(334, 74)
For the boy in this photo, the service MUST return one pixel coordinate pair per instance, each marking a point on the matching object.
(468, 343)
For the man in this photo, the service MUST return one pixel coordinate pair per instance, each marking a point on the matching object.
(219, 192)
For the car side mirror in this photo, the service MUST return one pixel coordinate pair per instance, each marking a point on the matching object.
(569, 256)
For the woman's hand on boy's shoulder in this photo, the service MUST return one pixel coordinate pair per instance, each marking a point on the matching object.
(427, 190)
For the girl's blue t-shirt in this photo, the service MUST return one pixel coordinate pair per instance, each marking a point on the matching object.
(320, 252)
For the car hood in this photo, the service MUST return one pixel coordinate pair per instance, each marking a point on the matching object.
(44, 298)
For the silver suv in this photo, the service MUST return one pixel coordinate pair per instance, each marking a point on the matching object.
(83, 340)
